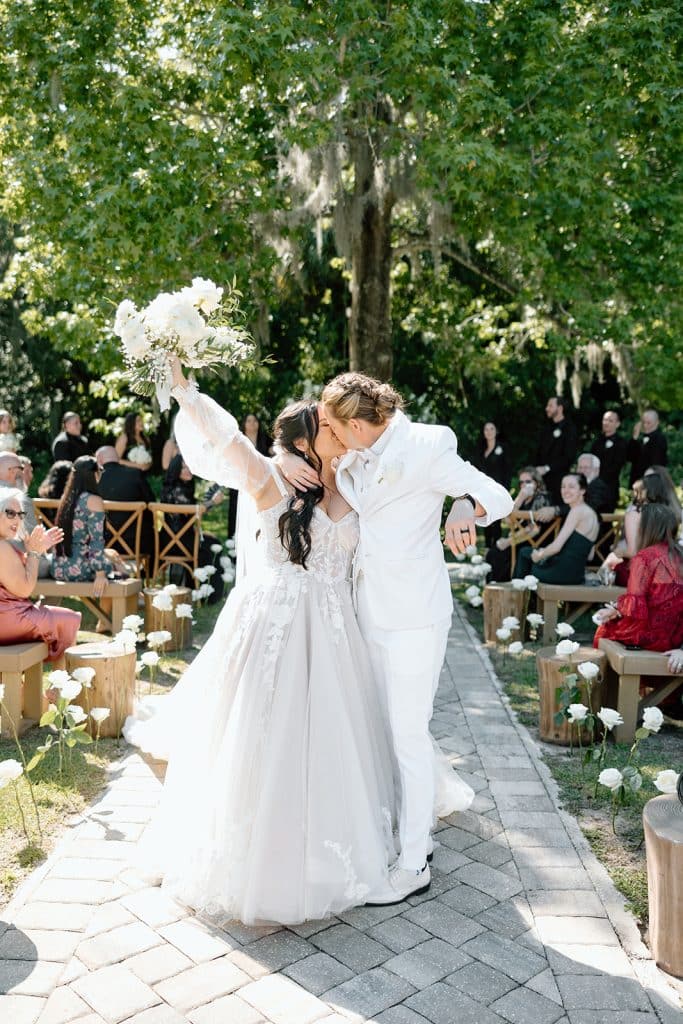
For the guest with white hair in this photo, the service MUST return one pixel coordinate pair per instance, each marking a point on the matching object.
(598, 494)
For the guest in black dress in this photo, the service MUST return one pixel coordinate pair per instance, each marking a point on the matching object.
(564, 559)
(492, 459)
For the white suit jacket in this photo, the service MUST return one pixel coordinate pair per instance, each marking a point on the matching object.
(400, 555)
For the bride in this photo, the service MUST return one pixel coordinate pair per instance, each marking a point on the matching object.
(279, 797)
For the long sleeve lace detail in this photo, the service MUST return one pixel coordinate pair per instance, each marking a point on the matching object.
(213, 446)
(652, 608)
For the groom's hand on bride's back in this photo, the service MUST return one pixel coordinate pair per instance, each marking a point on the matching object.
(295, 471)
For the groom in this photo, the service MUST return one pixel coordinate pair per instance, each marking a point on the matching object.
(396, 475)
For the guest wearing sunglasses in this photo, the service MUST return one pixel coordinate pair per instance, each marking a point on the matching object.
(532, 496)
(22, 621)
(11, 477)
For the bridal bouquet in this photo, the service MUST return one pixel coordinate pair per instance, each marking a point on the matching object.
(139, 455)
(196, 323)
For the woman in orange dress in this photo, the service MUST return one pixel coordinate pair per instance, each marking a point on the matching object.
(20, 619)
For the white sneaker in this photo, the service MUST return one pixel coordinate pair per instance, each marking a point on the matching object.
(401, 884)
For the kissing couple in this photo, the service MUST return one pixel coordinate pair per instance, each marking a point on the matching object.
(302, 777)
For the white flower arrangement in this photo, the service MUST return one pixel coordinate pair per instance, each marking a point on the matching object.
(139, 455)
(196, 323)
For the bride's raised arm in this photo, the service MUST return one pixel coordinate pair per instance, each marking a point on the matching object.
(211, 442)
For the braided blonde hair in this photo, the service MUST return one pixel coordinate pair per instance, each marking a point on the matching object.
(355, 396)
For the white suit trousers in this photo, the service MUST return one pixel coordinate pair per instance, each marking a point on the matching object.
(407, 664)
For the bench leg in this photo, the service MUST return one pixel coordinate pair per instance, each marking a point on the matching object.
(33, 692)
(11, 703)
(119, 610)
(627, 706)
(97, 612)
(549, 613)
(659, 694)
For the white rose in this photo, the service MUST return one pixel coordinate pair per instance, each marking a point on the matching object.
(84, 676)
(471, 549)
(127, 639)
(201, 574)
(77, 713)
(535, 620)
(611, 777)
(472, 592)
(531, 582)
(609, 718)
(158, 637)
(10, 771)
(230, 543)
(476, 601)
(653, 719)
(71, 690)
(477, 559)
(170, 588)
(516, 647)
(216, 548)
(459, 557)
(57, 679)
(503, 634)
(588, 669)
(210, 570)
(183, 611)
(196, 595)
(225, 562)
(132, 623)
(126, 311)
(484, 567)
(510, 622)
(206, 590)
(98, 715)
(2, 691)
(666, 781)
(150, 659)
(566, 648)
(228, 576)
(162, 602)
(577, 713)
(203, 294)
(564, 629)
(518, 584)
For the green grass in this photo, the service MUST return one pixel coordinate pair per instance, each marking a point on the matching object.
(623, 853)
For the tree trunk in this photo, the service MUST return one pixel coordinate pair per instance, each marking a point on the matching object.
(371, 254)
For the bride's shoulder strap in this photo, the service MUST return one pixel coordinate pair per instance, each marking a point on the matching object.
(279, 482)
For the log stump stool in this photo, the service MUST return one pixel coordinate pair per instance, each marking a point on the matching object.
(501, 600)
(663, 825)
(548, 665)
(155, 619)
(113, 685)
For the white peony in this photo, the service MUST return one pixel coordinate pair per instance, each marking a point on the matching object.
(563, 629)
(98, 715)
(653, 719)
(666, 781)
(77, 713)
(510, 622)
(203, 294)
(577, 713)
(133, 623)
(84, 676)
(10, 771)
(503, 634)
(134, 339)
(125, 312)
(162, 602)
(566, 648)
(150, 659)
(611, 777)
(609, 718)
(69, 691)
(472, 592)
(516, 647)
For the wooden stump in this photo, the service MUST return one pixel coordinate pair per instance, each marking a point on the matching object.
(113, 685)
(663, 824)
(548, 665)
(501, 600)
(181, 629)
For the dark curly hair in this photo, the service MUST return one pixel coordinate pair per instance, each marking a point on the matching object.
(82, 478)
(299, 422)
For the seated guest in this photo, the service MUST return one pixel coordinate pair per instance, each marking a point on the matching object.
(9, 439)
(564, 559)
(12, 478)
(133, 447)
(532, 496)
(71, 443)
(21, 621)
(81, 555)
(27, 471)
(179, 489)
(650, 613)
(598, 494)
(666, 478)
(650, 490)
(54, 483)
(492, 458)
(121, 483)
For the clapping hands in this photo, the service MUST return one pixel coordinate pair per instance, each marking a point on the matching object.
(41, 540)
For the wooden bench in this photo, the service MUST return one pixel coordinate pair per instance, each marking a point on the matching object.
(550, 595)
(627, 668)
(122, 593)
(21, 667)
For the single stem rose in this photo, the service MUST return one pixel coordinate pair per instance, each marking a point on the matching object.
(21, 812)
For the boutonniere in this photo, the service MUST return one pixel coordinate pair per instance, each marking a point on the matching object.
(557, 432)
(390, 472)
(645, 440)
(609, 444)
(498, 450)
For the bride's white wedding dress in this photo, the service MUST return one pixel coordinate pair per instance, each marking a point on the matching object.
(279, 795)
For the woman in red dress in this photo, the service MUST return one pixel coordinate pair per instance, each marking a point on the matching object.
(650, 613)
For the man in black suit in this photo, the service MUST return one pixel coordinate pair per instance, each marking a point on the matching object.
(611, 448)
(71, 443)
(122, 483)
(557, 446)
(648, 450)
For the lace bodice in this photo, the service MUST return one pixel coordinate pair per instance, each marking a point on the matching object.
(332, 545)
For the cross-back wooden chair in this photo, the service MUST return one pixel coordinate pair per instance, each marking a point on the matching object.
(610, 532)
(175, 546)
(523, 531)
(46, 511)
(129, 514)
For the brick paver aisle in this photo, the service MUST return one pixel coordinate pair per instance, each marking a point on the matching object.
(521, 924)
